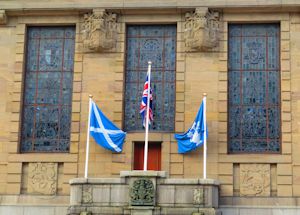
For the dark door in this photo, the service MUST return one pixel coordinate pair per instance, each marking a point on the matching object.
(154, 156)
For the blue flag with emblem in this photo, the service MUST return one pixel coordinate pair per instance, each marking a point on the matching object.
(105, 133)
(194, 137)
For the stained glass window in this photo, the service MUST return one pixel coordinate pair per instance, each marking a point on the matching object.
(48, 89)
(254, 88)
(156, 43)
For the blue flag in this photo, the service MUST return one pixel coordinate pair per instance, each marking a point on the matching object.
(105, 133)
(194, 137)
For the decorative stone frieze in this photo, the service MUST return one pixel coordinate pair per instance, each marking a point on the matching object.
(42, 178)
(201, 30)
(255, 180)
(3, 17)
(142, 192)
(100, 31)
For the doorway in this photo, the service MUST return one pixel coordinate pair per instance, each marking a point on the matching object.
(154, 156)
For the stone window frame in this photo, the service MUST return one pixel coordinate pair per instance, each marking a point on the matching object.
(171, 161)
(279, 90)
(230, 163)
(163, 69)
(16, 160)
(60, 104)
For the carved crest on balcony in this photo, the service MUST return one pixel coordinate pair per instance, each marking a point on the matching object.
(87, 194)
(199, 196)
(100, 31)
(3, 17)
(142, 192)
(201, 30)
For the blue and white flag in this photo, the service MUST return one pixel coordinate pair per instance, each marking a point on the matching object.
(105, 133)
(194, 137)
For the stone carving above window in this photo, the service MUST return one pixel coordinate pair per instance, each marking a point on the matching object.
(3, 17)
(255, 179)
(100, 31)
(201, 30)
(42, 178)
(142, 192)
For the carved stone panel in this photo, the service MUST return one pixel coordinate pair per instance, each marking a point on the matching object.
(255, 180)
(42, 178)
(87, 194)
(99, 31)
(142, 192)
(201, 30)
(3, 17)
(199, 196)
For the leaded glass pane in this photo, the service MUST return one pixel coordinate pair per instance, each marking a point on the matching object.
(156, 43)
(48, 89)
(254, 88)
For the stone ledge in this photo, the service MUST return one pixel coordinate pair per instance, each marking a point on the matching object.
(97, 181)
(178, 181)
(140, 173)
(209, 182)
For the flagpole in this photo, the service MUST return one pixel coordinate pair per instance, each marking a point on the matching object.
(205, 146)
(88, 139)
(147, 117)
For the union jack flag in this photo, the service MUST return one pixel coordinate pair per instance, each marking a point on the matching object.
(143, 106)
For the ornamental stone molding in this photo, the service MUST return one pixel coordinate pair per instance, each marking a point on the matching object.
(3, 17)
(201, 30)
(99, 31)
(142, 193)
(255, 180)
(42, 178)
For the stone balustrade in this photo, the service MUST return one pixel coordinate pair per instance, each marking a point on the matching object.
(139, 192)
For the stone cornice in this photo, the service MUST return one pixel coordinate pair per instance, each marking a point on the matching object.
(21, 5)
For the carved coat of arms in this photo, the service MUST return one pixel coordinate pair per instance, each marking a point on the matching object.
(100, 31)
(142, 192)
(201, 30)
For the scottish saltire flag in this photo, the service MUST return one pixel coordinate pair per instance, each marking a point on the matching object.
(105, 133)
(143, 106)
(194, 137)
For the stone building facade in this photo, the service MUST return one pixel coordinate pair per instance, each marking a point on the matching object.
(243, 54)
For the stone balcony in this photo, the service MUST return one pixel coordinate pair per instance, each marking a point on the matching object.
(144, 192)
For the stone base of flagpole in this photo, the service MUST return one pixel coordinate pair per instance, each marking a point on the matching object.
(144, 193)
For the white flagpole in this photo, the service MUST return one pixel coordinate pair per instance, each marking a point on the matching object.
(147, 118)
(204, 147)
(88, 139)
